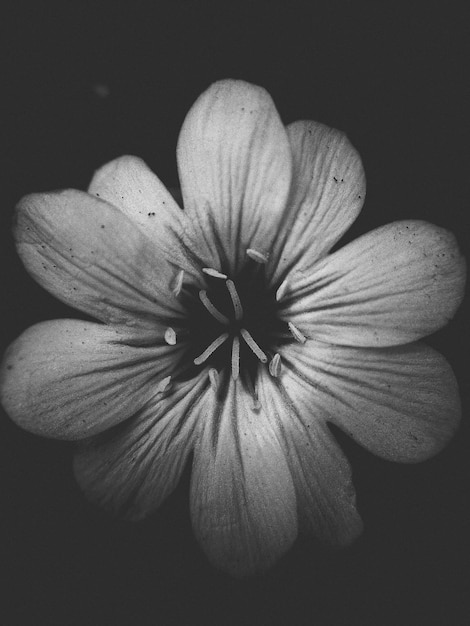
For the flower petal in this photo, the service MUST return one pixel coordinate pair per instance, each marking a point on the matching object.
(391, 286)
(327, 194)
(322, 476)
(69, 379)
(400, 403)
(243, 503)
(234, 164)
(131, 186)
(91, 256)
(133, 468)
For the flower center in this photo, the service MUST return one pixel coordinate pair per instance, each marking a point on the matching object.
(233, 325)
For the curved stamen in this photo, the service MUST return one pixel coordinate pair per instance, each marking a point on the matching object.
(281, 290)
(210, 349)
(178, 284)
(235, 357)
(253, 345)
(259, 257)
(214, 273)
(170, 336)
(214, 378)
(275, 365)
(298, 336)
(220, 317)
(237, 305)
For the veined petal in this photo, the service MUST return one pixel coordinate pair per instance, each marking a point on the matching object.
(69, 379)
(327, 193)
(131, 186)
(326, 497)
(243, 503)
(91, 256)
(134, 467)
(391, 286)
(234, 163)
(401, 403)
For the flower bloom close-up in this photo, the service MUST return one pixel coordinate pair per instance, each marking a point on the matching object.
(229, 335)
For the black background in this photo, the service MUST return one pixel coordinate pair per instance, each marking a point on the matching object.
(85, 83)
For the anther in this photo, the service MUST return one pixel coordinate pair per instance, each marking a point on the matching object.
(163, 384)
(298, 336)
(178, 284)
(214, 273)
(281, 290)
(235, 357)
(210, 349)
(259, 257)
(220, 317)
(214, 378)
(170, 336)
(253, 345)
(275, 365)
(237, 305)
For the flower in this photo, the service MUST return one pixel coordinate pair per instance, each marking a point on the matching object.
(228, 332)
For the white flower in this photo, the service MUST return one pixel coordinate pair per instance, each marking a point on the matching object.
(229, 331)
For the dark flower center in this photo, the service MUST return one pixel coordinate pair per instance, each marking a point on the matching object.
(233, 325)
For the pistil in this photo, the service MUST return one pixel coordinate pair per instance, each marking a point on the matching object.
(235, 357)
(237, 305)
(211, 348)
(251, 343)
(220, 317)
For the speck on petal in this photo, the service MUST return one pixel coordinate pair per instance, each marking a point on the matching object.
(243, 504)
(131, 186)
(401, 403)
(115, 274)
(391, 286)
(327, 193)
(69, 379)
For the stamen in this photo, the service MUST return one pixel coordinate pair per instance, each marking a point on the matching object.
(214, 378)
(220, 317)
(170, 336)
(163, 384)
(213, 273)
(253, 345)
(178, 283)
(281, 290)
(259, 257)
(210, 349)
(298, 336)
(237, 305)
(275, 365)
(235, 357)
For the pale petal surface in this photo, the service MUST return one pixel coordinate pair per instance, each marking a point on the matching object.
(132, 469)
(234, 163)
(91, 256)
(243, 503)
(322, 476)
(69, 379)
(391, 286)
(401, 403)
(327, 193)
(131, 186)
